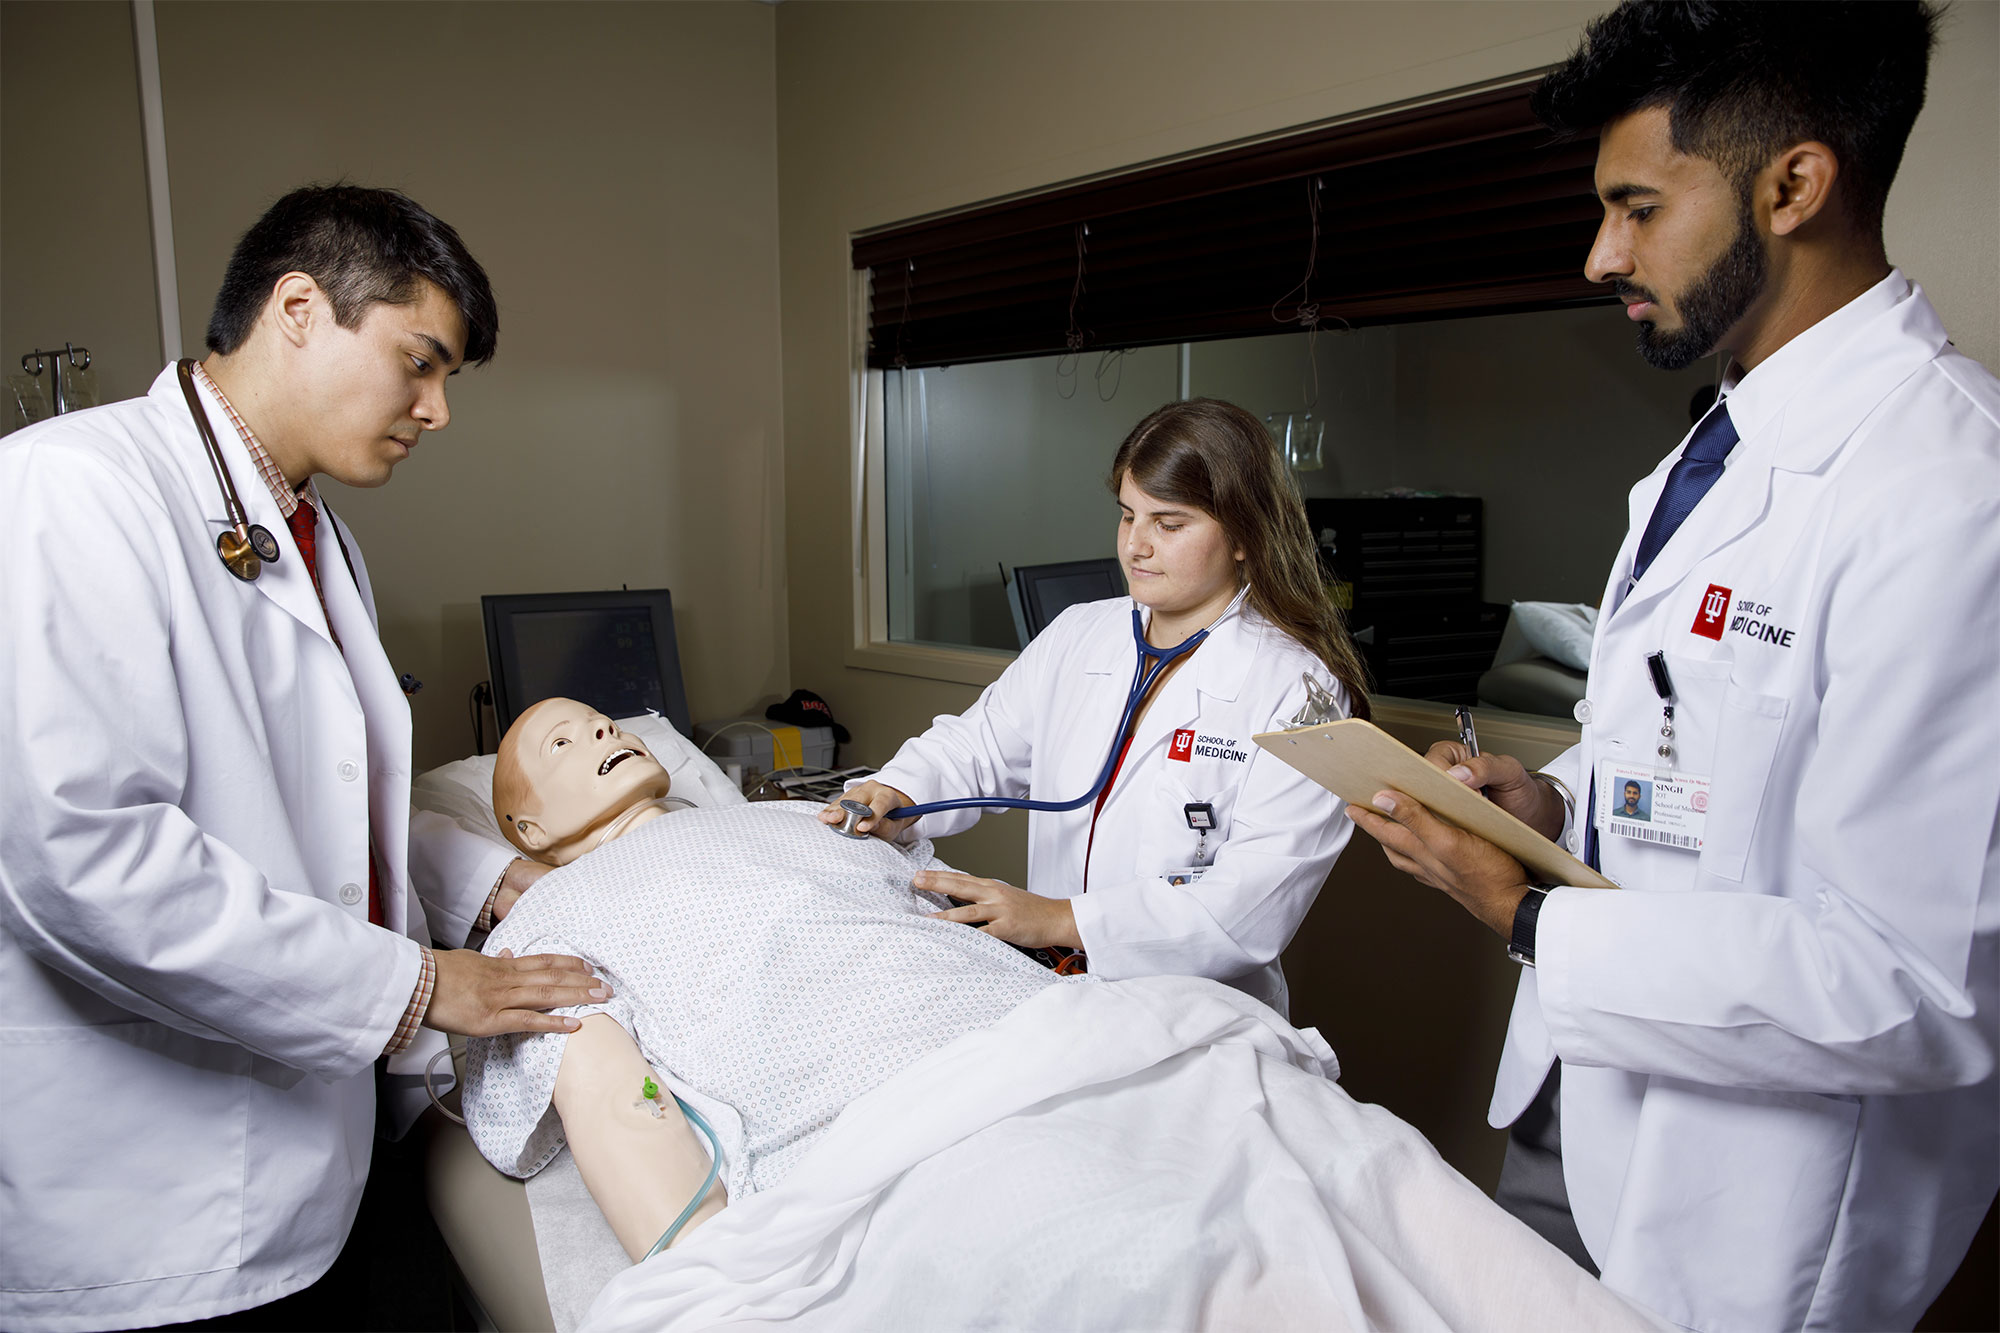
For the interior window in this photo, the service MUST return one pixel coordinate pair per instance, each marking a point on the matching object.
(1545, 419)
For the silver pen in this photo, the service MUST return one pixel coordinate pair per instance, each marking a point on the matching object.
(1466, 735)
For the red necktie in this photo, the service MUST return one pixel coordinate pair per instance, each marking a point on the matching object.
(304, 524)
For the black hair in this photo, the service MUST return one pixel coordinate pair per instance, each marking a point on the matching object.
(361, 246)
(1746, 79)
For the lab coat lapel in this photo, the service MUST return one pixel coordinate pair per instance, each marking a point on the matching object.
(1216, 670)
(285, 582)
(385, 711)
(1737, 501)
(1803, 436)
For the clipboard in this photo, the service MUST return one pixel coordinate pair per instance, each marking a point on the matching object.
(1354, 759)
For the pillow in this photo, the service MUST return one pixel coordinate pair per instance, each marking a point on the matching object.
(462, 790)
(1559, 631)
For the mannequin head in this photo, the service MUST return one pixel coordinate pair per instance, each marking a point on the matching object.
(564, 773)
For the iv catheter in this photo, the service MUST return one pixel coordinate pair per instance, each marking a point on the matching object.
(1144, 677)
(651, 1094)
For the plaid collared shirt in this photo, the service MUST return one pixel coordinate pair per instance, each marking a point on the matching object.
(287, 501)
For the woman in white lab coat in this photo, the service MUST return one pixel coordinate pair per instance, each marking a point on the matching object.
(1212, 534)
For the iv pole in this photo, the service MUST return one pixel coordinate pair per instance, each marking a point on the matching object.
(34, 361)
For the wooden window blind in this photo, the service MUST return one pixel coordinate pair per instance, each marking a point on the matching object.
(1460, 207)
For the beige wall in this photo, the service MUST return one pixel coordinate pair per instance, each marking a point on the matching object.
(614, 168)
(76, 260)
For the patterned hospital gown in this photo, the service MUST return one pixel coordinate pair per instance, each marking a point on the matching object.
(758, 957)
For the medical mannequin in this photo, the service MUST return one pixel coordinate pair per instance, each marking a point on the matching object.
(761, 964)
(640, 1158)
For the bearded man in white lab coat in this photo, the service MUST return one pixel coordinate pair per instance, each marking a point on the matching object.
(207, 935)
(1760, 1075)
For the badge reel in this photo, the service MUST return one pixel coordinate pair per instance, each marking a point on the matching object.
(1654, 803)
(1200, 818)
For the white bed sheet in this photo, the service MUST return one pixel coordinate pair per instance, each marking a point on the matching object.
(1163, 1153)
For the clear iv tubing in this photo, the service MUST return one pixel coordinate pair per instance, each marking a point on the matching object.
(700, 1122)
(1142, 681)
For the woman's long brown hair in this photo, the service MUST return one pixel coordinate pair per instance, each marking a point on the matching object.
(1219, 458)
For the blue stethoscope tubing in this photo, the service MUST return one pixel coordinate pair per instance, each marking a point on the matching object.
(1143, 679)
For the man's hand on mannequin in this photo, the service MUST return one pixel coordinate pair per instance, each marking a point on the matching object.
(477, 996)
(520, 877)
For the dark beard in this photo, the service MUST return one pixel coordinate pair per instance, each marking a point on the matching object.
(1710, 307)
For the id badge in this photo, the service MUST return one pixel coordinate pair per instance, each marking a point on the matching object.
(1652, 805)
(1185, 875)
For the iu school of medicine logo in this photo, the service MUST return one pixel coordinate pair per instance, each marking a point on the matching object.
(1713, 615)
(1183, 745)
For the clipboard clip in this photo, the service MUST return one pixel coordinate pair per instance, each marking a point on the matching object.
(1319, 708)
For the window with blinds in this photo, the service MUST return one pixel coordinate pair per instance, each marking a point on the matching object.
(1460, 207)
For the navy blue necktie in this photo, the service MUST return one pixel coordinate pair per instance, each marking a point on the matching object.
(1695, 471)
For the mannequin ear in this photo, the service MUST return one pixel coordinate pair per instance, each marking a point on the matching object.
(532, 834)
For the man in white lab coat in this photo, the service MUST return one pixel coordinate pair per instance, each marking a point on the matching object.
(1760, 1075)
(207, 935)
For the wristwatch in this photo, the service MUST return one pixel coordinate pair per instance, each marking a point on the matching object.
(1521, 947)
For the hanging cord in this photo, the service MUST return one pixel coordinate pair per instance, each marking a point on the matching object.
(1077, 335)
(1111, 361)
(700, 1122)
(1306, 314)
(900, 361)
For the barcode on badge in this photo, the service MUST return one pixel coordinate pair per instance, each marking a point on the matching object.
(1644, 834)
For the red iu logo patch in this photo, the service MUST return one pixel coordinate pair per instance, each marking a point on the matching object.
(1183, 745)
(1714, 612)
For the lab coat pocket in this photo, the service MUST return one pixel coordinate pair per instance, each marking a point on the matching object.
(1740, 1187)
(1167, 843)
(1749, 728)
(156, 1190)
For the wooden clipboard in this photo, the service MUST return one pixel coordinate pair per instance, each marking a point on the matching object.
(1354, 759)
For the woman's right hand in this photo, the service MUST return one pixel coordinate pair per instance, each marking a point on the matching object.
(879, 798)
(1505, 781)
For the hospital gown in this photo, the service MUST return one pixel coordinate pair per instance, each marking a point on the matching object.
(758, 958)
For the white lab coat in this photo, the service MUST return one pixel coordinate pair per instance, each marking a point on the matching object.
(194, 998)
(1778, 1096)
(1042, 731)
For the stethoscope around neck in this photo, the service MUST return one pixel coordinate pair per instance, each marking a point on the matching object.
(1146, 672)
(245, 547)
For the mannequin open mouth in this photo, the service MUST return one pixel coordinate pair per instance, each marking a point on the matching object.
(615, 758)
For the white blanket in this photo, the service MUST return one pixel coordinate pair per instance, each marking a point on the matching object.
(1154, 1154)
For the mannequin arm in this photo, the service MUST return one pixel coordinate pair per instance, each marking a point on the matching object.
(641, 1170)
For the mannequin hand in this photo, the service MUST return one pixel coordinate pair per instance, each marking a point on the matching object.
(878, 798)
(1015, 915)
(1505, 781)
(520, 877)
(477, 996)
(1485, 880)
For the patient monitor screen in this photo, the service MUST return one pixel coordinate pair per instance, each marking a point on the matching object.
(613, 651)
(605, 658)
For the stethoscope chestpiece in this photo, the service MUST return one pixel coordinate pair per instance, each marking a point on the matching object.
(239, 553)
(852, 813)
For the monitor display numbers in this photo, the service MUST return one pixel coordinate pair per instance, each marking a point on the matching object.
(605, 657)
